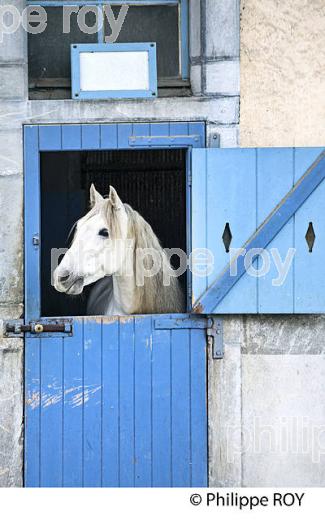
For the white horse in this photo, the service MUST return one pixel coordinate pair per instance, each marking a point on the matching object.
(110, 247)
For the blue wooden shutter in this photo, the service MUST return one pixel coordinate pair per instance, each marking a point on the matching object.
(266, 196)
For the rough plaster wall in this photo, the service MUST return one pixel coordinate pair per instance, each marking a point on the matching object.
(282, 73)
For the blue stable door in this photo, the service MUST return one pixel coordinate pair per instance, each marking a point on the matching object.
(119, 403)
(116, 402)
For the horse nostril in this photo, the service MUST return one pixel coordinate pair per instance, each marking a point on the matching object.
(64, 278)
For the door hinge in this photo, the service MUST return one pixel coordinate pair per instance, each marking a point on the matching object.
(215, 337)
(17, 328)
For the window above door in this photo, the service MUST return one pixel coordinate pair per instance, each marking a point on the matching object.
(119, 21)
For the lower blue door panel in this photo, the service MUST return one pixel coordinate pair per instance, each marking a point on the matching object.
(119, 404)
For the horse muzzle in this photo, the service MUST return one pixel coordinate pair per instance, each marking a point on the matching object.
(68, 283)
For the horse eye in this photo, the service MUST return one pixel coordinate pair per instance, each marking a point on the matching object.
(103, 233)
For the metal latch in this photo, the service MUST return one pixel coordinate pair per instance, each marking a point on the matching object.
(215, 337)
(14, 328)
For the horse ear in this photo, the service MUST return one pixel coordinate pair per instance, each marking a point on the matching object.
(95, 197)
(114, 198)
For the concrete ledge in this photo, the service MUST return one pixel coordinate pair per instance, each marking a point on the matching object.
(223, 110)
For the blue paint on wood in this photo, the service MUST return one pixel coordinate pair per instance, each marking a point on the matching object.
(50, 137)
(309, 289)
(71, 137)
(236, 176)
(143, 344)
(273, 298)
(124, 131)
(32, 222)
(198, 402)
(199, 218)
(161, 409)
(108, 136)
(90, 137)
(110, 415)
(126, 404)
(51, 423)
(197, 129)
(99, 404)
(180, 408)
(33, 409)
(123, 405)
(73, 407)
(229, 199)
(92, 403)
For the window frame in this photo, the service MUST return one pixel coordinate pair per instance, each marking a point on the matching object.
(181, 81)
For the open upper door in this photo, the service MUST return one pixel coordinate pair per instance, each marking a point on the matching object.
(270, 203)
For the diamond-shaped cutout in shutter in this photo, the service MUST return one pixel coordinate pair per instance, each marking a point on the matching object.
(227, 237)
(310, 237)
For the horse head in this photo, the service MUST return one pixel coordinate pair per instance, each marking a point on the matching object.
(98, 248)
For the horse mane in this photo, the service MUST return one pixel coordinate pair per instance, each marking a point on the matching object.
(153, 296)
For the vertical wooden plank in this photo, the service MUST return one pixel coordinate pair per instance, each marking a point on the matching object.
(126, 412)
(32, 222)
(198, 129)
(231, 198)
(159, 129)
(142, 401)
(124, 131)
(199, 219)
(198, 399)
(179, 128)
(73, 407)
(309, 282)
(51, 412)
(140, 129)
(50, 137)
(90, 137)
(71, 137)
(108, 137)
(180, 404)
(32, 410)
(275, 178)
(161, 408)
(92, 398)
(110, 433)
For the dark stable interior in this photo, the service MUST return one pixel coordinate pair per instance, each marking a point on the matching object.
(153, 182)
